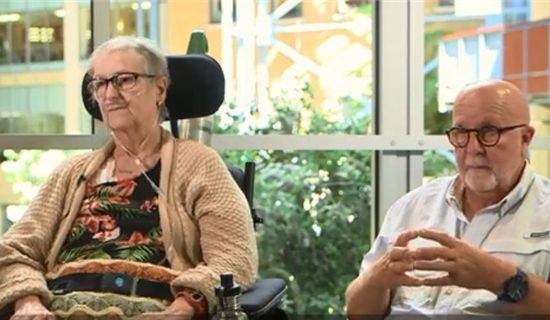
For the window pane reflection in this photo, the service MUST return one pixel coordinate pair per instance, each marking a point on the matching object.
(34, 95)
(310, 59)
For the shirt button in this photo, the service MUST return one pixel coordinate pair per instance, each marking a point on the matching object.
(448, 291)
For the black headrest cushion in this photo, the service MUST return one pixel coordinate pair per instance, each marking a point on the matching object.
(197, 86)
(196, 90)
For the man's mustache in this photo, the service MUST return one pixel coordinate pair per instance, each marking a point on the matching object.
(477, 163)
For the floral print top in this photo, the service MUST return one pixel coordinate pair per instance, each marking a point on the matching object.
(118, 220)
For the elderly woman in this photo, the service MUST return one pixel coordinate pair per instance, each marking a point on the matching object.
(143, 226)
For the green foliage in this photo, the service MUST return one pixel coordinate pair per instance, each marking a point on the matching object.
(76, 232)
(121, 211)
(140, 253)
(154, 234)
(315, 203)
(437, 165)
(316, 209)
(99, 254)
(27, 169)
(294, 114)
(364, 9)
(93, 249)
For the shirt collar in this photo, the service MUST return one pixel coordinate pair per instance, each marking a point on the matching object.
(455, 191)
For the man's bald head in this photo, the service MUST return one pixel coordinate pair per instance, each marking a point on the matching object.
(499, 97)
(497, 107)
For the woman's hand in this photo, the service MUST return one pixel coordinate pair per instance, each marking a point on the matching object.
(178, 310)
(31, 308)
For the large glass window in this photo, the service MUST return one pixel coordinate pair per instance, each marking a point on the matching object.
(320, 61)
(35, 96)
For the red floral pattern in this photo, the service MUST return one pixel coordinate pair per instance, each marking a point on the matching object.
(136, 239)
(117, 220)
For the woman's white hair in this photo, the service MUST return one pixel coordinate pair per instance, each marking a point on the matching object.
(155, 61)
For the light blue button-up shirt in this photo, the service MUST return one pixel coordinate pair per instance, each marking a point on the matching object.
(517, 228)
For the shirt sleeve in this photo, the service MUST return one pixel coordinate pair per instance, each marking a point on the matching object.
(379, 248)
(392, 226)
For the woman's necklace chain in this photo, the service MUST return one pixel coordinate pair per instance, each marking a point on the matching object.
(138, 161)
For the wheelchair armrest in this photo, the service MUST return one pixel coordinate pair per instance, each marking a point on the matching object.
(262, 297)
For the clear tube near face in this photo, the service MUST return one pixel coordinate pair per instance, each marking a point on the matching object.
(139, 161)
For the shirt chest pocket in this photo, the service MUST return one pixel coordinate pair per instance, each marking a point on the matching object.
(531, 254)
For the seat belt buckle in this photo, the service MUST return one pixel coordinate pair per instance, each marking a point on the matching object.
(119, 283)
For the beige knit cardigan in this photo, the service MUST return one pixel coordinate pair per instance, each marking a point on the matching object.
(207, 228)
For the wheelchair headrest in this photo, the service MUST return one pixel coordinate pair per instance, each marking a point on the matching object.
(196, 90)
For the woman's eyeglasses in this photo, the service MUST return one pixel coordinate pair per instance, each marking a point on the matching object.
(121, 81)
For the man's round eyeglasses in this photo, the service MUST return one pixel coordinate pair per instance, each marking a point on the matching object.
(121, 81)
(487, 136)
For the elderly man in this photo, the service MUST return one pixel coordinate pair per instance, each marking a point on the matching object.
(476, 243)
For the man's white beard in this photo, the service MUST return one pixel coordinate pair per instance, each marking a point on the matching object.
(481, 182)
